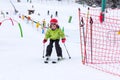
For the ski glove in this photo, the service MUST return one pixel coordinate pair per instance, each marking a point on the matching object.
(0, 23)
(45, 40)
(63, 40)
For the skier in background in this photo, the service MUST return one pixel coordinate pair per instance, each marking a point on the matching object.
(51, 16)
(48, 12)
(56, 13)
(44, 23)
(54, 34)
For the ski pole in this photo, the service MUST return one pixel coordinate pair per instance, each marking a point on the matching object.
(43, 50)
(67, 51)
(91, 34)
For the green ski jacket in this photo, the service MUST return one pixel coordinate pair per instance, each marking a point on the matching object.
(54, 34)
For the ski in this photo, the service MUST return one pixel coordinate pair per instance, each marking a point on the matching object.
(53, 61)
(58, 60)
(46, 61)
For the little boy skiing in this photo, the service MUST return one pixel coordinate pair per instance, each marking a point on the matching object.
(54, 34)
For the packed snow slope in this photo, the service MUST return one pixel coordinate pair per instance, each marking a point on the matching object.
(21, 58)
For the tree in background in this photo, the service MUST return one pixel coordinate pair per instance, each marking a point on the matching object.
(110, 3)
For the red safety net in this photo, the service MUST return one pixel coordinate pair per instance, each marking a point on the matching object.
(100, 42)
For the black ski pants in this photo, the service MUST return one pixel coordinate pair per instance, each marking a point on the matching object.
(57, 47)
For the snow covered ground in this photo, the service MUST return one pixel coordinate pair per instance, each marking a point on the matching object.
(21, 58)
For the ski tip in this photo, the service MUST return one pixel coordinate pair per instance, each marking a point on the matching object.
(54, 62)
(45, 61)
